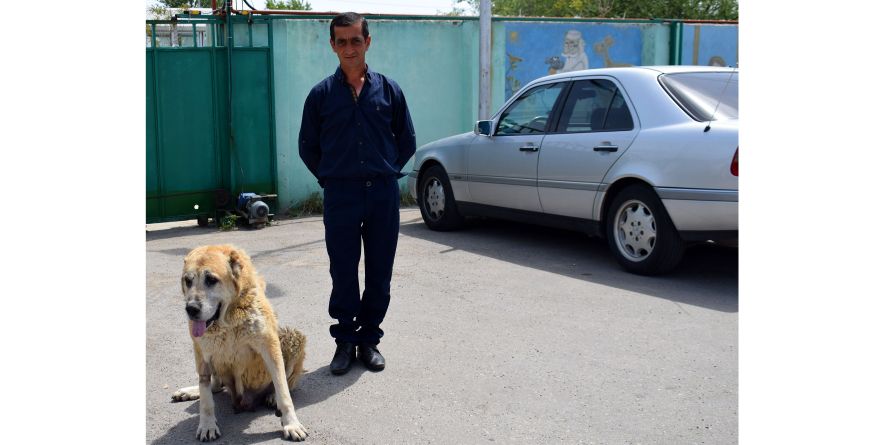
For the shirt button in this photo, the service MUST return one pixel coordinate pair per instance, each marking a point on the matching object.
(362, 162)
(360, 143)
(368, 183)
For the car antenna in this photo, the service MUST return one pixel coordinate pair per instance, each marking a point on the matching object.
(720, 99)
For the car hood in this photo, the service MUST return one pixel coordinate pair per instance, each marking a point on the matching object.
(458, 139)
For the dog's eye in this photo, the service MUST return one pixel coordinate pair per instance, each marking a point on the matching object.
(210, 280)
(188, 281)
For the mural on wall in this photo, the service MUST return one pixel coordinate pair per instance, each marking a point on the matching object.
(538, 49)
(715, 45)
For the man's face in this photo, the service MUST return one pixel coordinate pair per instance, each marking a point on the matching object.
(350, 46)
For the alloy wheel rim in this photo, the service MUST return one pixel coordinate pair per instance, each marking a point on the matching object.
(435, 199)
(635, 230)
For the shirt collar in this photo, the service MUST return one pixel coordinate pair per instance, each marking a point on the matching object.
(340, 75)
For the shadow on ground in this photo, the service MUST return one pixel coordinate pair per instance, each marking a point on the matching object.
(710, 270)
(234, 426)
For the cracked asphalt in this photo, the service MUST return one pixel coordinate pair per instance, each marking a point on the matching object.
(500, 332)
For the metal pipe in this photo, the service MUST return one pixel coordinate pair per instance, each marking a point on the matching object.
(485, 58)
(289, 12)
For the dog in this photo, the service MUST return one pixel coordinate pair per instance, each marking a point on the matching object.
(237, 343)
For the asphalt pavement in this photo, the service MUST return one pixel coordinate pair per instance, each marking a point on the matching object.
(498, 333)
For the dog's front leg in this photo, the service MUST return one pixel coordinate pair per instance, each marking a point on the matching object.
(208, 428)
(273, 358)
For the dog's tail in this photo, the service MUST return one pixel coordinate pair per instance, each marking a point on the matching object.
(292, 342)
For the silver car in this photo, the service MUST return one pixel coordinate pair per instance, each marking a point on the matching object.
(644, 156)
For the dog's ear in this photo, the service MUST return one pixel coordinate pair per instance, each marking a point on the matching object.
(236, 263)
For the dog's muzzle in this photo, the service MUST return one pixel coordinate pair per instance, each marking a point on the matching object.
(199, 327)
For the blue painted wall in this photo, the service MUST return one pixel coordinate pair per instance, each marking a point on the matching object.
(534, 50)
(705, 44)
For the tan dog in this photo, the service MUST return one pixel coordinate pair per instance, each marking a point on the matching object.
(236, 340)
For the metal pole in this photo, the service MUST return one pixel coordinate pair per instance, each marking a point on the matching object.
(485, 58)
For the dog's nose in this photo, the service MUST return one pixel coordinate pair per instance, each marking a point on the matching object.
(193, 309)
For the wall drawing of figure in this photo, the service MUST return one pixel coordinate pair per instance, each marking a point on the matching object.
(573, 58)
(536, 49)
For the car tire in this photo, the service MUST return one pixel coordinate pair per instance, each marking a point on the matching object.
(640, 232)
(435, 199)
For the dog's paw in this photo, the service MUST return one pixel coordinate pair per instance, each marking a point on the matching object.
(295, 431)
(208, 430)
(185, 394)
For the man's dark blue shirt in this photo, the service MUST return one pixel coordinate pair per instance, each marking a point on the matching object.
(344, 138)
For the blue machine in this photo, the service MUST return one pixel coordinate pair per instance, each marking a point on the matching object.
(251, 207)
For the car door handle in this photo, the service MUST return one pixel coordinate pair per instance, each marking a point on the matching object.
(529, 147)
(609, 148)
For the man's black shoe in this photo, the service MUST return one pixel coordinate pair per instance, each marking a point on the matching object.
(369, 355)
(343, 358)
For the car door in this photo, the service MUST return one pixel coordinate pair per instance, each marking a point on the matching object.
(502, 167)
(595, 128)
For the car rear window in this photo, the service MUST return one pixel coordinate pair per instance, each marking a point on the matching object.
(704, 96)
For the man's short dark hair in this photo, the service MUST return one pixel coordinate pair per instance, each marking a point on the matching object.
(348, 19)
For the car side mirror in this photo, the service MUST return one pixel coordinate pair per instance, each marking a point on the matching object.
(483, 127)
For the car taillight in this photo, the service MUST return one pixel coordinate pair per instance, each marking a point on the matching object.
(734, 168)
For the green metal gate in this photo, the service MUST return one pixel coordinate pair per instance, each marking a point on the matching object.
(210, 124)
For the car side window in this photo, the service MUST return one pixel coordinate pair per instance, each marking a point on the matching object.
(595, 105)
(530, 113)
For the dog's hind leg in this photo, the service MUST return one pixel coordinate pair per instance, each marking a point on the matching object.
(193, 392)
(292, 344)
(186, 393)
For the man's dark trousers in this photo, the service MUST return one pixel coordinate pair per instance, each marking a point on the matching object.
(367, 209)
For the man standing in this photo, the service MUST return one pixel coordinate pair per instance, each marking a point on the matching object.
(356, 135)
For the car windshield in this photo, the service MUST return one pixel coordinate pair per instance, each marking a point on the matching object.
(704, 96)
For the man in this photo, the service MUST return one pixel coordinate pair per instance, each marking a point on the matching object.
(356, 135)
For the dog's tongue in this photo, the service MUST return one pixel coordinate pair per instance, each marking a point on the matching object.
(198, 328)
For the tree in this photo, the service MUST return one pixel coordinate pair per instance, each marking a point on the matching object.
(161, 9)
(642, 9)
(186, 3)
(296, 5)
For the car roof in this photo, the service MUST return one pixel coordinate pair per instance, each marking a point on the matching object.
(655, 69)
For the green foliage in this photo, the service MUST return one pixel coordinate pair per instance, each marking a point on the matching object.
(312, 205)
(640, 9)
(228, 222)
(163, 9)
(295, 5)
(187, 3)
(406, 200)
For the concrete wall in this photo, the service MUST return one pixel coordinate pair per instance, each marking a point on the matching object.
(436, 63)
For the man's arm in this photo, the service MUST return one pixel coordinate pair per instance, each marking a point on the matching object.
(309, 135)
(404, 133)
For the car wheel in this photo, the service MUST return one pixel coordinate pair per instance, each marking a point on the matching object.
(436, 201)
(641, 233)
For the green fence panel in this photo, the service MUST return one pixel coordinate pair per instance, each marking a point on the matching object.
(154, 208)
(185, 147)
(209, 134)
(253, 156)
